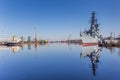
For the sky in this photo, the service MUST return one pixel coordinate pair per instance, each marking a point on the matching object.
(57, 19)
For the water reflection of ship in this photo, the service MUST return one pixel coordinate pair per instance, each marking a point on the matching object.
(93, 53)
(13, 48)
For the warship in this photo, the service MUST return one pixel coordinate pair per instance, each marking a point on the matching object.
(91, 37)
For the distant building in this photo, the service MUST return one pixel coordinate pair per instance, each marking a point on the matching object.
(29, 39)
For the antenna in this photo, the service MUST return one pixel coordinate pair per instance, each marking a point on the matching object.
(114, 34)
(69, 37)
(35, 34)
(93, 18)
(80, 32)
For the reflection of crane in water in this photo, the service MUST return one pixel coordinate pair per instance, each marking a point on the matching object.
(69, 42)
(93, 53)
(29, 46)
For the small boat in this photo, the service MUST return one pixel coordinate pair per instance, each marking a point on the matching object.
(91, 37)
(14, 42)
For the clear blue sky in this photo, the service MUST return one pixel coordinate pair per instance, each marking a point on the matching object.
(56, 19)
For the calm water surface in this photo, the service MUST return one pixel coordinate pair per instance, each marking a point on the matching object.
(59, 62)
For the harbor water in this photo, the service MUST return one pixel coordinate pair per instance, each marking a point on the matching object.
(59, 62)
